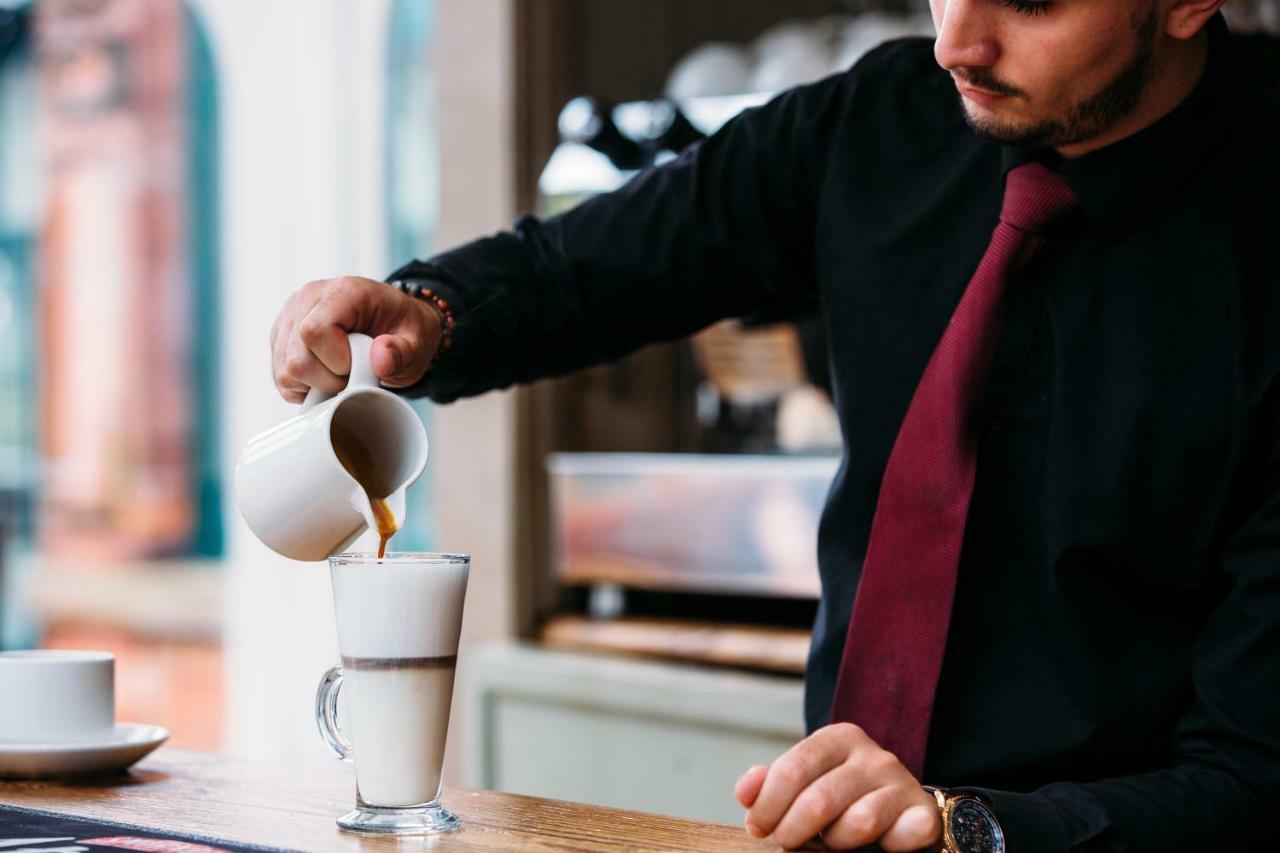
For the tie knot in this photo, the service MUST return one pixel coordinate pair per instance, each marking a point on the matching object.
(1035, 197)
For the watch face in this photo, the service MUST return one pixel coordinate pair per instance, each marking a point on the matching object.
(974, 828)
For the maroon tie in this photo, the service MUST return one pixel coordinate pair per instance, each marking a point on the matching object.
(893, 652)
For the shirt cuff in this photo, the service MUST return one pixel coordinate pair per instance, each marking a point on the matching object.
(436, 380)
(1032, 823)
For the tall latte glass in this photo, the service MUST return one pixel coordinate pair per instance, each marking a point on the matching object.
(398, 624)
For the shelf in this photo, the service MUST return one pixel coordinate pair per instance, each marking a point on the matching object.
(782, 650)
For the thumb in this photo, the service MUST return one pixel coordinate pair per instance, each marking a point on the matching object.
(397, 361)
(916, 828)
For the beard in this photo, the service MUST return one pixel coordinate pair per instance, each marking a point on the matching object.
(1087, 119)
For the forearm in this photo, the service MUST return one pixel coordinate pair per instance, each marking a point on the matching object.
(525, 309)
(551, 297)
(1190, 807)
(507, 297)
(724, 230)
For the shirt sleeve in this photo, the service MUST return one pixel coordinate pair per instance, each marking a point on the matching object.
(724, 230)
(1222, 791)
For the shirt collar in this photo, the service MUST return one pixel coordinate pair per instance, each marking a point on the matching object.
(1120, 185)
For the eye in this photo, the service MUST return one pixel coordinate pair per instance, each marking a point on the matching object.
(1030, 8)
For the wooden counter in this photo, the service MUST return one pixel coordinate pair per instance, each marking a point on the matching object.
(202, 794)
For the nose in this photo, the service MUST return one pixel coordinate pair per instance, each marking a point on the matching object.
(966, 34)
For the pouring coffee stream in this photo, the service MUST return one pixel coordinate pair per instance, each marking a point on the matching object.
(387, 525)
(356, 458)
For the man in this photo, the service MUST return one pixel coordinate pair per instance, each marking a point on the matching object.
(1045, 251)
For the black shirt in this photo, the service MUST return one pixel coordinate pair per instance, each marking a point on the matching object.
(1112, 674)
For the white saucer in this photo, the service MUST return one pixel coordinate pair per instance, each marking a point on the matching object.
(128, 743)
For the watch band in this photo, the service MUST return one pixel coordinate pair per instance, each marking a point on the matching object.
(940, 797)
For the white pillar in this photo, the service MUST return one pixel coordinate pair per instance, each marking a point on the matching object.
(300, 86)
(301, 94)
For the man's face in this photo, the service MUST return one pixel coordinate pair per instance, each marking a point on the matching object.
(1047, 72)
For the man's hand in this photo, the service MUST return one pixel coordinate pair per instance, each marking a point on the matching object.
(309, 339)
(838, 783)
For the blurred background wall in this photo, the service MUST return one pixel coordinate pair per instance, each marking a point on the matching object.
(172, 172)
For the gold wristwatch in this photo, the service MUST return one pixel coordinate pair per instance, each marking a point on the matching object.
(968, 823)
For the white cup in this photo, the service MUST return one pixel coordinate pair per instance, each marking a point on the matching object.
(292, 490)
(56, 696)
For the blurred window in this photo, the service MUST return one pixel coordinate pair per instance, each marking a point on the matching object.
(413, 189)
(202, 261)
(127, 246)
(18, 212)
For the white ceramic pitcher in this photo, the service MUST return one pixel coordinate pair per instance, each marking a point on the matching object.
(295, 494)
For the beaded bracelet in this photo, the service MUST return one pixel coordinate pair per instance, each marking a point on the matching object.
(417, 290)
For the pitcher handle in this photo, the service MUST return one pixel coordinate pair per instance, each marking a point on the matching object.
(362, 375)
(327, 713)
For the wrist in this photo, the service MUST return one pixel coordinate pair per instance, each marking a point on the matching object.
(439, 316)
(433, 322)
(969, 824)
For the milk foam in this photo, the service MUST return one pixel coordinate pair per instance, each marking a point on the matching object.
(399, 610)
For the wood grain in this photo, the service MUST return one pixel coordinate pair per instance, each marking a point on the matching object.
(242, 801)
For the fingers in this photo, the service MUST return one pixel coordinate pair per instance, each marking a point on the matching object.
(748, 786)
(346, 304)
(325, 339)
(309, 346)
(823, 802)
(796, 769)
(917, 827)
(840, 783)
(290, 389)
(302, 366)
(869, 818)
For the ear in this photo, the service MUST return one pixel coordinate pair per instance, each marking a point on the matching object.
(1188, 17)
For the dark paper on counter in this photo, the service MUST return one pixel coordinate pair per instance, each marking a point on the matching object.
(28, 831)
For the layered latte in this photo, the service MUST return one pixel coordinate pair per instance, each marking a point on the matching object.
(398, 627)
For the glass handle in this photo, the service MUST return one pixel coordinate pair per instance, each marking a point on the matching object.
(327, 713)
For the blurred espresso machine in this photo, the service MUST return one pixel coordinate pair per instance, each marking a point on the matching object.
(659, 548)
(711, 515)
